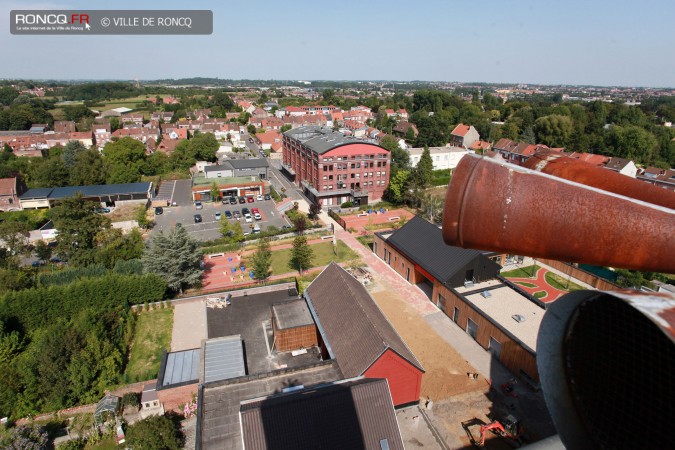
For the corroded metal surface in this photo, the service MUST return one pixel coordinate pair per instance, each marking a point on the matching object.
(495, 206)
(554, 163)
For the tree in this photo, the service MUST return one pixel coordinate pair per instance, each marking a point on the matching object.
(299, 223)
(125, 160)
(237, 232)
(554, 130)
(398, 186)
(262, 260)
(301, 254)
(49, 172)
(43, 251)
(215, 192)
(225, 228)
(285, 128)
(89, 169)
(154, 433)
(70, 152)
(424, 171)
(174, 257)
(77, 224)
(14, 235)
(314, 210)
(25, 437)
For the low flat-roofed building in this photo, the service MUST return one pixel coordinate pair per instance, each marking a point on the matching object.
(500, 319)
(349, 414)
(228, 186)
(443, 158)
(223, 358)
(106, 194)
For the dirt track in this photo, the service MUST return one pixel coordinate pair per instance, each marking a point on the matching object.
(446, 370)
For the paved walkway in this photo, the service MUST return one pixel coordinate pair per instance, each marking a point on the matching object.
(189, 325)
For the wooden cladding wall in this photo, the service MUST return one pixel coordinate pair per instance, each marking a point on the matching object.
(295, 338)
(513, 355)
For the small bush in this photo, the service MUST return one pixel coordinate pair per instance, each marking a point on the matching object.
(347, 205)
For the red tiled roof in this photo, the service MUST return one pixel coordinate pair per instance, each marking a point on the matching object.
(7, 186)
(461, 130)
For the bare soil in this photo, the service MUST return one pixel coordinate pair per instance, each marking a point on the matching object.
(446, 371)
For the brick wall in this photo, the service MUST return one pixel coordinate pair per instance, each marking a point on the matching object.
(295, 338)
(175, 397)
(397, 261)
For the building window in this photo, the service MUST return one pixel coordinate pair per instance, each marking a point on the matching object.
(371, 174)
(325, 177)
(353, 166)
(365, 175)
(455, 315)
(330, 177)
(330, 188)
(495, 347)
(471, 328)
(352, 175)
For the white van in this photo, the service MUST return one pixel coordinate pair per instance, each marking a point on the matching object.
(256, 229)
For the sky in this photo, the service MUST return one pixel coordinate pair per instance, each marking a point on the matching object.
(587, 42)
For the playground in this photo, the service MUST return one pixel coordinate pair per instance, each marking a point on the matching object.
(541, 283)
(372, 217)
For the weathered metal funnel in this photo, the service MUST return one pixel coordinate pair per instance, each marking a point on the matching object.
(496, 206)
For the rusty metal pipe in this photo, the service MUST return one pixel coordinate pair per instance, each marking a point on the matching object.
(495, 206)
(554, 163)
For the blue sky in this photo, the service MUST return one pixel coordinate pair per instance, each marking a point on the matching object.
(536, 41)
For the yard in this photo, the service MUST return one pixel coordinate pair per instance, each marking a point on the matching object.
(153, 334)
(521, 272)
(323, 254)
(561, 283)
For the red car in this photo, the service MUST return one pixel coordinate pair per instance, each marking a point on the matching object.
(250, 199)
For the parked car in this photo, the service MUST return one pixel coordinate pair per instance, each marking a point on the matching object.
(233, 200)
(248, 218)
(228, 214)
(256, 229)
(198, 205)
(102, 210)
(242, 199)
(245, 211)
(256, 213)
(250, 199)
(237, 215)
(217, 216)
(198, 218)
(159, 211)
(259, 198)
(268, 197)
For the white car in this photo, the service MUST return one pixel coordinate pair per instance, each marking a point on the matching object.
(217, 216)
(198, 205)
(259, 198)
(248, 218)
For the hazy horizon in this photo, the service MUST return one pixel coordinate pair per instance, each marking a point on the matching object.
(574, 43)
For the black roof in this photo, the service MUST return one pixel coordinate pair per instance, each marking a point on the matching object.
(252, 163)
(87, 191)
(422, 243)
(352, 414)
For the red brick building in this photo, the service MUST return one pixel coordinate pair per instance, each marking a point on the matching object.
(333, 168)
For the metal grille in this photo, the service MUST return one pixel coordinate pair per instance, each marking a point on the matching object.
(621, 370)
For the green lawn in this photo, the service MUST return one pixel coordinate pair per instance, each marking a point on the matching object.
(540, 294)
(560, 283)
(323, 254)
(153, 334)
(108, 444)
(523, 272)
(523, 283)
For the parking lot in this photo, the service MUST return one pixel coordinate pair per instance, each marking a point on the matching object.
(209, 228)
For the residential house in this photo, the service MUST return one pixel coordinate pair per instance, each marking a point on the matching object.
(64, 126)
(266, 139)
(622, 165)
(10, 190)
(165, 116)
(402, 128)
(464, 136)
(135, 118)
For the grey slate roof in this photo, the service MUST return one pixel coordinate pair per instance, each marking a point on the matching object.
(180, 367)
(323, 139)
(351, 323)
(253, 163)
(218, 409)
(292, 314)
(223, 359)
(353, 414)
(422, 243)
(87, 191)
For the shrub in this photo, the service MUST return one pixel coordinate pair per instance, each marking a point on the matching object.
(347, 205)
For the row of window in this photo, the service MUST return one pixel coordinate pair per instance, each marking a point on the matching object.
(329, 168)
(357, 175)
(329, 187)
(355, 157)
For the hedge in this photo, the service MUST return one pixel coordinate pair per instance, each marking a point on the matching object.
(37, 307)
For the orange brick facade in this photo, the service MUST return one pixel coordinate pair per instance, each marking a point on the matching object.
(295, 338)
(397, 261)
